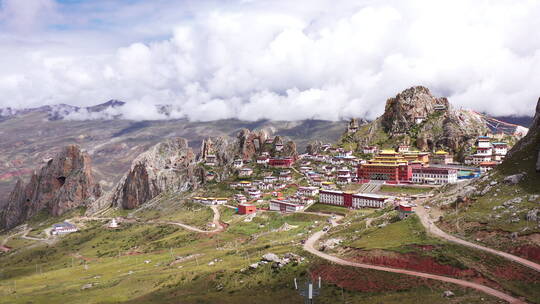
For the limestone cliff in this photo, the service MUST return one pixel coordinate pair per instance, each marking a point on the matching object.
(64, 183)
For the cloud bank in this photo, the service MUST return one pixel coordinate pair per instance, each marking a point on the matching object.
(281, 60)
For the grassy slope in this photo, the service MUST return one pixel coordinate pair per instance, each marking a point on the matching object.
(120, 277)
(480, 220)
(408, 237)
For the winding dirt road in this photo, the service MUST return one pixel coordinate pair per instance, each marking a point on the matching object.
(215, 221)
(309, 247)
(433, 229)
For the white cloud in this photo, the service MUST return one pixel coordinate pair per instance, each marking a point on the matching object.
(23, 16)
(292, 60)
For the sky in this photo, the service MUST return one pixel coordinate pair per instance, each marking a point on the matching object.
(273, 59)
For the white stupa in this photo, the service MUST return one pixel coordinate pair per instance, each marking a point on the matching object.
(113, 223)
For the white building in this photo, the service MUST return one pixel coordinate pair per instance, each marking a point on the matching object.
(499, 150)
(481, 158)
(285, 206)
(484, 142)
(240, 198)
(343, 153)
(245, 172)
(210, 200)
(263, 160)
(254, 193)
(308, 191)
(63, 228)
(238, 163)
(436, 176)
(210, 160)
(352, 200)
(270, 179)
(285, 176)
(403, 148)
(370, 150)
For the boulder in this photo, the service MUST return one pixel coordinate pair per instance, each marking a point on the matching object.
(87, 286)
(448, 294)
(532, 215)
(254, 266)
(514, 179)
(271, 257)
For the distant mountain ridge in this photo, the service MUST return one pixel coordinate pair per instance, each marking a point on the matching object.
(62, 111)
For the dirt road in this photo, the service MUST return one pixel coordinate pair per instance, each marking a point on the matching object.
(433, 229)
(215, 221)
(309, 246)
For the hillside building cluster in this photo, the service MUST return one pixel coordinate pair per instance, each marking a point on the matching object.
(488, 154)
(278, 183)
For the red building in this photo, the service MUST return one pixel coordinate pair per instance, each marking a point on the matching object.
(388, 166)
(246, 209)
(284, 162)
(404, 210)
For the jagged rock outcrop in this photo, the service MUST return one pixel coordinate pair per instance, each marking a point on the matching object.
(251, 142)
(415, 116)
(402, 111)
(64, 183)
(224, 149)
(167, 166)
(314, 147)
(352, 126)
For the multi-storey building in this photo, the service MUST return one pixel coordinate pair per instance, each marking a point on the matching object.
(352, 200)
(441, 158)
(416, 157)
(308, 191)
(369, 150)
(499, 150)
(432, 175)
(387, 166)
(245, 172)
(285, 206)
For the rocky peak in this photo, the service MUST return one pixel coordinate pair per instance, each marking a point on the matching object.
(167, 166)
(408, 107)
(224, 149)
(64, 183)
(251, 142)
(352, 126)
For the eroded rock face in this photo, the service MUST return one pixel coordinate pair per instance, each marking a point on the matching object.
(401, 112)
(223, 148)
(64, 183)
(167, 166)
(416, 116)
(251, 142)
